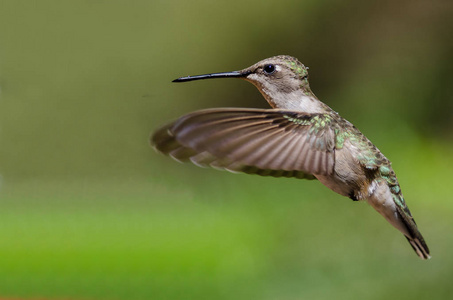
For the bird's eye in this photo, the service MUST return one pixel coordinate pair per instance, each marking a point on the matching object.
(269, 69)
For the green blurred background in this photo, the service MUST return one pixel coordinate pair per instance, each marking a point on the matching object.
(89, 211)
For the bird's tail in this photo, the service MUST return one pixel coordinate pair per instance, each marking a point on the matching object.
(389, 202)
(412, 234)
(415, 239)
(419, 247)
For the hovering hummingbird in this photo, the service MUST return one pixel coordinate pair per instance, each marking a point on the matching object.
(299, 137)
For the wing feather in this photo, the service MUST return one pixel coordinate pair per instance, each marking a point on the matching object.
(268, 142)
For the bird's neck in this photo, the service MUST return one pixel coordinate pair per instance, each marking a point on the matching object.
(301, 100)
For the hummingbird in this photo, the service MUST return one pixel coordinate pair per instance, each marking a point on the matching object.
(300, 137)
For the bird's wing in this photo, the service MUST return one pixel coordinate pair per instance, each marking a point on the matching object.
(268, 142)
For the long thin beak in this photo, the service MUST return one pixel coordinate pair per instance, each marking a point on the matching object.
(235, 74)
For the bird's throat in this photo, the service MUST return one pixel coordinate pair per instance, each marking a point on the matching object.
(297, 100)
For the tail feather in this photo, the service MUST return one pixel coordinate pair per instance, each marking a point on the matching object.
(415, 239)
(391, 206)
(411, 233)
(420, 248)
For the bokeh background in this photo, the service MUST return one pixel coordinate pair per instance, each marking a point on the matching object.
(89, 211)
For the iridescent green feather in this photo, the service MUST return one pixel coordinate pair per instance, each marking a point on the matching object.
(372, 159)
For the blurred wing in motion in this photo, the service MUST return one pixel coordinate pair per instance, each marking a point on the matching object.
(267, 142)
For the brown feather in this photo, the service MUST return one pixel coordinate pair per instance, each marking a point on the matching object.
(260, 141)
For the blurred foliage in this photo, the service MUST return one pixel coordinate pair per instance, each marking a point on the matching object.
(88, 210)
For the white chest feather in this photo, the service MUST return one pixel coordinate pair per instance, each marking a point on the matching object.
(280, 96)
